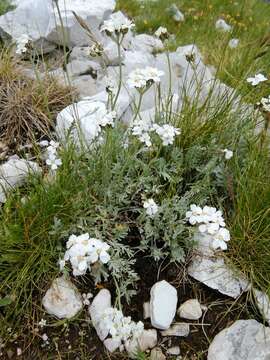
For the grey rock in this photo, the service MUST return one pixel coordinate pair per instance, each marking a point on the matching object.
(14, 173)
(112, 345)
(190, 309)
(175, 350)
(85, 85)
(146, 43)
(163, 304)
(147, 340)
(82, 67)
(101, 302)
(146, 310)
(157, 354)
(244, 340)
(63, 299)
(263, 304)
(214, 273)
(179, 329)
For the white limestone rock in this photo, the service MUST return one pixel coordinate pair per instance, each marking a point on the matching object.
(14, 173)
(62, 299)
(263, 304)
(82, 67)
(190, 309)
(163, 304)
(175, 350)
(92, 12)
(146, 43)
(85, 86)
(244, 340)
(30, 17)
(112, 345)
(146, 341)
(179, 330)
(101, 302)
(214, 273)
(157, 354)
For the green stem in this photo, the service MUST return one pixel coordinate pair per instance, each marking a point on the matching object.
(120, 72)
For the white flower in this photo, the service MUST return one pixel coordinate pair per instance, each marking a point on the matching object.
(151, 207)
(42, 323)
(82, 251)
(233, 43)
(145, 139)
(22, 43)
(117, 24)
(222, 25)
(194, 214)
(167, 133)
(45, 337)
(221, 237)
(257, 79)
(140, 78)
(99, 251)
(121, 328)
(228, 154)
(53, 162)
(162, 32)
(86, 298)
(265, 103)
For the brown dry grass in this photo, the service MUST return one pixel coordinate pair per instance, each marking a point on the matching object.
(28, 108)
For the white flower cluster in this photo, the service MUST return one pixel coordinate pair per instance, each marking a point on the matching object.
(257, 79)
(82, 251)
(143, 127)
(210, 221)
(117, 25)
(22, 43)
(151, 207)
(223, 26)
(143, 78)
(120, 328)
(167, 133)
(51, 153)
(265, 104)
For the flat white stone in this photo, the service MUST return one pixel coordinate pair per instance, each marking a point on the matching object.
(62, 299)
(163, 304)
(147, 340)
(101, 302)
(14, 173)
(112, 345)
(175, 350)
(179, 329)
(244, 340)
(157, 354)
(190, 309)
(214, 273)
(146, 43)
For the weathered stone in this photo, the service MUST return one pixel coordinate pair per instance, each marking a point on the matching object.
(214, 273)
(85, 85)
(244, 340)
(146, 341)
(82, 67)
(179, 329)
(146, 43)
(14, 173)
(163, 304)
(146, 310)
(111, 345)
(63, 299)
(263, 304)
(157, 354)
(190, 309)
(175, 350)
(101, 302)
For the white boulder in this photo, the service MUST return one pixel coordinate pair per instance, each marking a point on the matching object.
(92, 12)
(244, 340)
(14, 173)
(62, 299)
(163, 304)
(179, 330)
(190, 309)
(263, 304)
(146, 43)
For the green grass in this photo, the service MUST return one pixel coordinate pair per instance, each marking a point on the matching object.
(5, 6)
